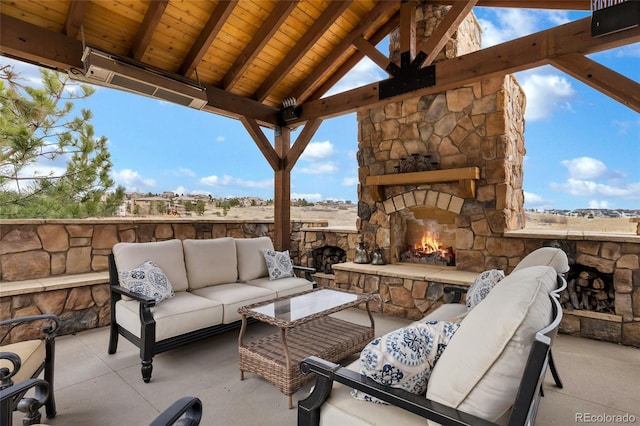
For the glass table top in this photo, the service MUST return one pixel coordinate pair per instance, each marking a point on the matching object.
(308, 304)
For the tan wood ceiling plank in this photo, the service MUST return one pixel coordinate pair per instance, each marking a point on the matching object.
(206, 37)
(36, 14)
(314, 32)
(261, 38)
(151, 20)
(445, 29)
(601, 78)
(75, 15)
(509, 57)
(130, 9)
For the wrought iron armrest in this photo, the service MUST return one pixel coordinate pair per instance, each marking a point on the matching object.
(146, 301)
(307, 272)
(49, 329)
(328, 372)
(190, 407)
(457, 292)
(29, 405)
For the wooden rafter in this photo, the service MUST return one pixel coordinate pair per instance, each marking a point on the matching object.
(408, 29)
(517, 55)
(352, 61)
(261, 38)
(252, 126)
(206, 37)
(445, 29)
(318, 28)
(601, 78)
(372, 53)
(301, 143)
(74, 19)
(146, 30)
(304, 88)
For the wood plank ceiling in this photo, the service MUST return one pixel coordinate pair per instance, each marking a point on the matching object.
(251, 55)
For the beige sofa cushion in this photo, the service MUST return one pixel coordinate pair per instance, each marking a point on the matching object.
(166, 254)
(233, 296)
(548, 256)
(283, 286)
(31, 353)
(481, 368)
(181, 314)
(210, 262)
(251, 263)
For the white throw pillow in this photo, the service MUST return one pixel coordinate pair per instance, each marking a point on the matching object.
(147, 280)
(482, 285)
(279, 264)
(405, 357)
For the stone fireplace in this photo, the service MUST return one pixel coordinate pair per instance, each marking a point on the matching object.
(475, 194)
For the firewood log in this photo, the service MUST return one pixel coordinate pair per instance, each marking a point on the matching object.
(598, 283)
(573, 296)
(584, 303)
(583, 282)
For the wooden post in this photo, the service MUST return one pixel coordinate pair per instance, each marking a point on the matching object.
(282, 191)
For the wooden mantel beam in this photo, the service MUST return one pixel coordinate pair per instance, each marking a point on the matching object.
(517, 55)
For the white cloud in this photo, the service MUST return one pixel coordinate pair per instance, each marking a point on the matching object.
(546, 94)
(509, 24)
(186, 172)
(587, 188)
(319, 169)
(308, 197)
(535, 201)
(595, 204)
(585, 168)
(180, 190)
(221, 139)
(318, 151)
(349, 181)
(229, 181)
(132, 180)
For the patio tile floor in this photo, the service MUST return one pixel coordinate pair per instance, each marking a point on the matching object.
(94, 388)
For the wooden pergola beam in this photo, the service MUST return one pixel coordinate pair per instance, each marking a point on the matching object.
(259, 40)
(517, 55)
(206, 37)
(145, 33)
(445, 29)
(316, 31)
(601, 78)
(75, 16)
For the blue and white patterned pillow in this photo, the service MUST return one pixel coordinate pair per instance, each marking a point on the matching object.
(405, 357)
(147, 280)
(279, 264)
(482, 285)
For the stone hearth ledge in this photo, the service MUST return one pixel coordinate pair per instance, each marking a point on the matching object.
(433, 273)
(59, 282)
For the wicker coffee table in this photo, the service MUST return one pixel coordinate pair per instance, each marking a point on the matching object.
(305, 329)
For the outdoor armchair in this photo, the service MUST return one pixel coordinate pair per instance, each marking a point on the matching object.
(27, 359)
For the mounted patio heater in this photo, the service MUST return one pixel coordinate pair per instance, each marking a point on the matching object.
(109, 70)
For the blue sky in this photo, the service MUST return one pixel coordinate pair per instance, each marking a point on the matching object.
(583, 148)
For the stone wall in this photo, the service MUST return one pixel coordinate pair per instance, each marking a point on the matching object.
(60, 266)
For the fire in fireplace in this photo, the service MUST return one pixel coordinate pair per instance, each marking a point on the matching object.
(429, 249)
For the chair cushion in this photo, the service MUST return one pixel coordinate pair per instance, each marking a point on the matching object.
(186, 312)
(32, 354)
(480, 370)
(283, 286)
(166, 254)
(148, 280)
(210, 262)
(233, 296)
(482, 285)
(548, 256)
(278, 264)
(452, 312)
(251, 264)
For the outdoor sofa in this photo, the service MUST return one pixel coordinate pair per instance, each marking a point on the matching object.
(210, 279)
(491, 372)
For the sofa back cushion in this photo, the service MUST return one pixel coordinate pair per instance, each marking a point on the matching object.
(481, 369)
(548, 256)
(166, 254)
(210, 262)
(251, 263)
